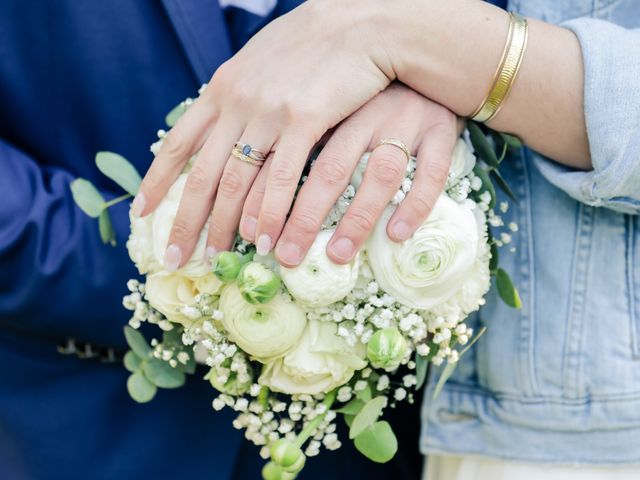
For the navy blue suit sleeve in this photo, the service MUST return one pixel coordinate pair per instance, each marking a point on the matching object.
(56, 277)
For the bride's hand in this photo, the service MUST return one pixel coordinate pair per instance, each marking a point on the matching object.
(426, 128)
(325, 60)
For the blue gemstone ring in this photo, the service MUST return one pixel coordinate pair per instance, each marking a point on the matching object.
(244, 152)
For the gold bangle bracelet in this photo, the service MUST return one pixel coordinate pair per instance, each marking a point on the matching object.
(507, 70)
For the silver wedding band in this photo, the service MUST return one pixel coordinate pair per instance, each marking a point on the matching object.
(396, 143)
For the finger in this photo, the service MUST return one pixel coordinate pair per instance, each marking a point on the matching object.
(328, 178)
(182, 141)
(251, 210)
(382, 178)
(432, 168)
(199, 192)
(235, 182)
(289, 160)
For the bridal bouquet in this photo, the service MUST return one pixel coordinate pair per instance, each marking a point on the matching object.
(292, 349)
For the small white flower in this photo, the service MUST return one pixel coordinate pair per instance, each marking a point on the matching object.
(218, 404)
(383, 383)
(400, 394)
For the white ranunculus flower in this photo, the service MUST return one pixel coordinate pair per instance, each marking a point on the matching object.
(265, 331)
(321, 362)
(169, 293)
(150, 235)
(208, 284)
(462, 161)
(429, 268)
(317, 281)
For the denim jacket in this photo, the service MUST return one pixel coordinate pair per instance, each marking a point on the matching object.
(559, 380)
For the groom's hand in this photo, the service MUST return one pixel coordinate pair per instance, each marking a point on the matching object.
(428, 130)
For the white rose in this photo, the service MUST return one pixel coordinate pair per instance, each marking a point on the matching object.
(429, 268)
(150, 237)
(321, 362)
(168, 293)
(462, 161)
(264, 331)
(317, 281)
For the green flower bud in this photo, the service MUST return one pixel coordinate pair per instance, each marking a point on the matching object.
(387, 348)
(257, 283)
(287, 456)
(226, 266)
(232, 386)
(272, 471)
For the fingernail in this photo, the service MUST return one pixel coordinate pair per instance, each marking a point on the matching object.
(289, 253)
(342, 248)
(138, 204)
(209, 253)
(401, 230)
(263, 245)
(248, 227)
(172, 258)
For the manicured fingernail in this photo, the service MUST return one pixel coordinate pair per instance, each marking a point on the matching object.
(172, 258)
(248, 227)
(342, 248)
(209, 253)
(263, 245)
(401, 230)
(289, 253)
(138, 204)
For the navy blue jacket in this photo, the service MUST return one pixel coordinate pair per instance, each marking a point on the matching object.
(77, 77)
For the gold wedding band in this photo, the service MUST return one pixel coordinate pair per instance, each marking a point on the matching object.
(396, 143)
(247, 154)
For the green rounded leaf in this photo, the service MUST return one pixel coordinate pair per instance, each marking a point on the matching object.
(87, 197)
(107, 234)
(364, 394)
(118, 169)
(422, 364)
(137, 342)
(481, 145)
(162, 374)
(351, 408)
(140, 389)
(495, 258)
(132, 361)
(368, 415)
(506, 290)
(377, 442)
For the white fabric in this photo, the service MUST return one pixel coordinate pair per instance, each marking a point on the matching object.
(257, 7)
(440, 467)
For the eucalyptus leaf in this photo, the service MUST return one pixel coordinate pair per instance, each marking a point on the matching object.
(495, 258)
(481, 145)
(118, 169)
(190, 367)
(176, 112)
(87, 197)
(364, 394)
(512, 141)
(141, 389)
(422, 364)
(504, 186)
(348, 419)
(137, 342)
(132, 361)
(368, 415)
(351, 408)
(107, 234)
(162, 374)
(377, 442)
(507, 291)
(487, 184)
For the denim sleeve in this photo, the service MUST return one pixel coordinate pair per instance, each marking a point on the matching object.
(612, 111)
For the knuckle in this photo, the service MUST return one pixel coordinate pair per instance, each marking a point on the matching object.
(231, 183)
(271, 218)
(175, 144)
(198, 180)
(182, 231)
(362, 218)
(216, 231)
(282, 175)
(437, 173)
(304, 221)
(387, 169)
(421, 204)
(332, 170)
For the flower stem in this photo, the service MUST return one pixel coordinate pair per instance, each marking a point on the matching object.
(119, 199)
(263, 397)
(313, 424)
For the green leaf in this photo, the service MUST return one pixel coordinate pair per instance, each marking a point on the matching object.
(368, 415)
(176, 112)
(487, 184)
(348, 419)
(137, 342)
(508, 293)
(422, 364)
(190, 367)
(495, 258)
(504, 186)
(107, 234)
(87, 197)
(141, 389)
(351, 408)
(364, 394)
(377, 442)
(511, 141)
(132, 361)
(482, 146)
(118, 169)
(162, 374)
